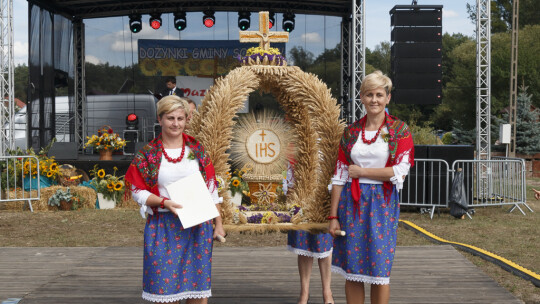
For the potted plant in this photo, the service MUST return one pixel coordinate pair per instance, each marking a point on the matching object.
(105, 142)
(109, 187)
(237, 186)
(64, 200)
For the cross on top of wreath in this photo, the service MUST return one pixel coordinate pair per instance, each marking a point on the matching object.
(263, 36)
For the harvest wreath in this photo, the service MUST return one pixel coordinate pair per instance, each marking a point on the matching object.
(313, 113)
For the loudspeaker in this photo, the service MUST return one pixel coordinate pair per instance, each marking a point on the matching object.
(417, 96)
(417, 65)
(416, 50)
(416, 54)
(438, 180)
(417, 80)
(417, 34)
(416, 17)
(63, 150)
(414, 186)
(131, 137)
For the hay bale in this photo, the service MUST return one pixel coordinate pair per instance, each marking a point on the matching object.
(88, 197)
(17, 205)
(128, 204)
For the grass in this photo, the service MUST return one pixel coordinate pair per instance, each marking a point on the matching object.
(510, 235)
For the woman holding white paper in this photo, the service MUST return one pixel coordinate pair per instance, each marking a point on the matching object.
(177, 261)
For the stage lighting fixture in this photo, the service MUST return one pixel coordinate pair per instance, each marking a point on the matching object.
(135, 24)
(180, 21)
(288, 22)
(208, 19)
(155, 21)
(244, 20)
(132, 121)
(271, 19)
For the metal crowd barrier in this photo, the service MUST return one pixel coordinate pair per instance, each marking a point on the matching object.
(427, 185)
(12, 179)
(496, 182)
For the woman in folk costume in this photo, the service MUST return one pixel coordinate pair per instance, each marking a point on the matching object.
(375, 155)
(309, 246)
(177, 261)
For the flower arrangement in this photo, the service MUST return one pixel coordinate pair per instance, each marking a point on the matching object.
(65, 200)
(106, 139)
(258, 55)
(111, 186)
(236, 182)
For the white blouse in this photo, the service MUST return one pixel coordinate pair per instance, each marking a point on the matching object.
(372, 156)
(168, 174)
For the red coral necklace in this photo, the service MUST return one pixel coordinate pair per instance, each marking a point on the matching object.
(369, 142)
(174, 160)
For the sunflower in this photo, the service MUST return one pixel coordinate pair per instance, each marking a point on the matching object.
(110, 185)
(118, 186)
(49, 174)
(236, 183)
(53, 167)
(101, 173)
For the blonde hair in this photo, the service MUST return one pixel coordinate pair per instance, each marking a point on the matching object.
(376, 80)
(171, 103)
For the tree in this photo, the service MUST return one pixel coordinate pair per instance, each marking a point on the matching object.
(301, 58)
(20, 80)
(527, 124)
(501, 14)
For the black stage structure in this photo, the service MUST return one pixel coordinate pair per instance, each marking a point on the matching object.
(57, 51)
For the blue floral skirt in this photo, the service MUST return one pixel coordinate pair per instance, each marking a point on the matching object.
(366, 253)
(177, 262)
(312, 245)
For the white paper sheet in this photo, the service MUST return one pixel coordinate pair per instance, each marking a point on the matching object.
(191, 192)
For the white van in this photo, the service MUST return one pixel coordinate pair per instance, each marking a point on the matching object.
(110, 110)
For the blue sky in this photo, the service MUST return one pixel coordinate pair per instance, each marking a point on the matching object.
(109, 39)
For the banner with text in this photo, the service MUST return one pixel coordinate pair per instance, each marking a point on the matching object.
(207, 58)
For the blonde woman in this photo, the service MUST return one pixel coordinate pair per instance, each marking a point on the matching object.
(177, 261)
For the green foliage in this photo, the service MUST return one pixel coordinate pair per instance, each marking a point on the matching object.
(463, 136)
(459, 94)
(447, 138)
(111, 186)
(527, 124)
(501, 14)
(67, 196)
(424, 135)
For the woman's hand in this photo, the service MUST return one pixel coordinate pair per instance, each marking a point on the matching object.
(536, 194)
(172, 206)
(218, 230)
(334, 225)
(355, 171)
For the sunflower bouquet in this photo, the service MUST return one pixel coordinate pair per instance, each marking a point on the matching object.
(106, 139)
(111, 186)
(237, 183)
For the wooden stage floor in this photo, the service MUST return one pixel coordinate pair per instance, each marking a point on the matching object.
(421, 274)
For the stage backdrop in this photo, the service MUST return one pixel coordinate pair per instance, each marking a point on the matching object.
(201, 58)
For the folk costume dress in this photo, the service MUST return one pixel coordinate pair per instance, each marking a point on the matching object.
(368, 210)
(302, 242)
(177, 261)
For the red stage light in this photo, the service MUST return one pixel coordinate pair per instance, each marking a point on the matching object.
(208, 19)
(132, 117)
(270, 24)
(155, 21)
(208, 22)
(155, 24)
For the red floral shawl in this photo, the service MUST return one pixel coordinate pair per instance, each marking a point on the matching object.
(144, 169)
(399, 143)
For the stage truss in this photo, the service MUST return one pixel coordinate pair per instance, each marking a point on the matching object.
(7, 106)
(353, 51)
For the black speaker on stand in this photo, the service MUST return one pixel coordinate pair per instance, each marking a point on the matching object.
(416, 54)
